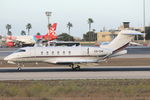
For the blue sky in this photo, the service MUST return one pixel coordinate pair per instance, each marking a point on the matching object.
(105, 13)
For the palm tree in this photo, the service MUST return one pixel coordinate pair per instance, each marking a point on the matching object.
(28, 27)
(38, 33)
(0, 37)
(23, 32)
(90, 21)
(8, 27)
(9, 33)
(69, 25)
(49, 26)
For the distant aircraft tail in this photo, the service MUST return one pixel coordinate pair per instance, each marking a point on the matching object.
(122, 40)
(51, 33)
(52, 29)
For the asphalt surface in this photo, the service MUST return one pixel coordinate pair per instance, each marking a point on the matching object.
(62, 73)
(138, 50)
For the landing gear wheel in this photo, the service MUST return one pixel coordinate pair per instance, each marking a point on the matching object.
(75, 68)
(19, 69)
(20, 66)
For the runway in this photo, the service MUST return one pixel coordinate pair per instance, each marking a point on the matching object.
(65, 73)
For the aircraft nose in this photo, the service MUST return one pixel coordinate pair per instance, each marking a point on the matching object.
(7, 58)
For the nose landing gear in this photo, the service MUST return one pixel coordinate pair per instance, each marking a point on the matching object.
(20, 66)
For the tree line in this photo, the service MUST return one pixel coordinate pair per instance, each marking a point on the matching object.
(28, 27)
(63, 36)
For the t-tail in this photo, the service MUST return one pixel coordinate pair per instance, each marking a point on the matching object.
(121, 41)
(51, 33)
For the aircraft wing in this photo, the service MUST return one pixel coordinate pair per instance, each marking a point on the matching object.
(70, 62)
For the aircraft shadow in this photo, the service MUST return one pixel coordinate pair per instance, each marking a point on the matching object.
(70, 70)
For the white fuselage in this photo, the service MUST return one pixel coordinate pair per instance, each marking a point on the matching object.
(59, 55)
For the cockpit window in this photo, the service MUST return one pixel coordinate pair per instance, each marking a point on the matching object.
(20, 50)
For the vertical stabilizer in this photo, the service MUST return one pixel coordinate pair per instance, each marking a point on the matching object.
(122, 40)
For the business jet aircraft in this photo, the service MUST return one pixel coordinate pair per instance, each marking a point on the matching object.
(25, 40)
(75, 55)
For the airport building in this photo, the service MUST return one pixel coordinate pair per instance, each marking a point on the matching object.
(107, 36)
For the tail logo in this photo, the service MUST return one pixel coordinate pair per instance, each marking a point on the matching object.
(51, 35)
(52, 30)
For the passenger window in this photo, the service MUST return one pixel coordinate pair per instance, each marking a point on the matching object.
(47, 52)
(41, 52)
(69, 52)
(63, 52)
(57, 52)
(52, 52)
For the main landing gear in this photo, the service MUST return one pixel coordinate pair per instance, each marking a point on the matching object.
(75, 67)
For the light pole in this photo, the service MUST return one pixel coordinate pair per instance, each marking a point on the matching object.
(48, 14)
(144, 18)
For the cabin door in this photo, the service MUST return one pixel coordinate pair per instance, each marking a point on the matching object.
(88, 51)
